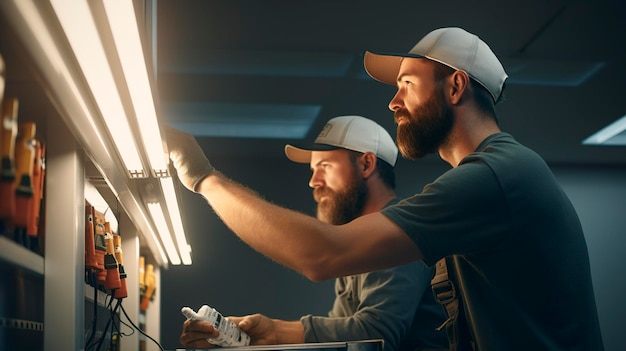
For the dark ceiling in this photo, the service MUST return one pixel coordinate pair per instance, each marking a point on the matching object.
(226, 65)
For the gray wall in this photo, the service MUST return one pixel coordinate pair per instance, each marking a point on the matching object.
(236, 280)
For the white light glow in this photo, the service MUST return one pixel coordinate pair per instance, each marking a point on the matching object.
(80, 28)
(604, 135)
(156, 211)
(123, 23)
(177, 225)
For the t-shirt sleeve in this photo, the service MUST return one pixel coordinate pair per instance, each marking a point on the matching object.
(459, 213)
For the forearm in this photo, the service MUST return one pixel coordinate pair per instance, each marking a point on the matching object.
(288, 237)
(289, 332)
(315, 249)
(303, 243)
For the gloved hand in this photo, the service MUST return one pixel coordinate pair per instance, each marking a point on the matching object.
(188, 158)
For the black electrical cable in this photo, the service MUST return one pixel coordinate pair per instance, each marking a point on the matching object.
(118, 329)
(110, 322)
(139, 329)
(94, 323)
(98, 343)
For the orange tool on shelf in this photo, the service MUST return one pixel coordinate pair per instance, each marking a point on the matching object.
(8, 130)
(112, 281)
(142, 276)
(24, 163)
(122, 292)
(2, 80)
(90, 247)
(100, 245)
(39, 170)
(150, 281)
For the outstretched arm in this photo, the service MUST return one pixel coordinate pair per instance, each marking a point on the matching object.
(315, 249)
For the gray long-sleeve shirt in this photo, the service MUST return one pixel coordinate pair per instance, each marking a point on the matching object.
(395, 305)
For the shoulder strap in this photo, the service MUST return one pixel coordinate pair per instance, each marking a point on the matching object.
(446, 294)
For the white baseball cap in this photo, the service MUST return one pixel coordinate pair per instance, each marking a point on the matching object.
(453, 47)
(349, 132)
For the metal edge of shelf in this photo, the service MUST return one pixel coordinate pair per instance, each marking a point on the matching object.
(21, 257)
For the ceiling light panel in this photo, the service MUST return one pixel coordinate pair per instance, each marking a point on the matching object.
(242, 120)
(613, 134)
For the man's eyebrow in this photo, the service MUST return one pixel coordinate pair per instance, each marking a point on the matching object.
(402, 76)
(317, 163)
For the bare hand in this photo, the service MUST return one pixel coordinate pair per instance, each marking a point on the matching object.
(196, 333)
(261, 329)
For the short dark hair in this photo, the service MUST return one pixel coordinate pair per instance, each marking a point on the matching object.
(483, 98)
(386, 172)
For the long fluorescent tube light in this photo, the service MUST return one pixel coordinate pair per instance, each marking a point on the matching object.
(171, 201)
(156, 211)
(123, 23)
(80, 28)
(609, 134)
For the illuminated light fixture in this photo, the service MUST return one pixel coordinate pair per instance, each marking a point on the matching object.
(82, 34)
(122, 21)
(156, 211)
(158, 246)
(123, 24)
(167, 185)
(613, 134)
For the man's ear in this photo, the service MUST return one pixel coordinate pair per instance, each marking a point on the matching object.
(368, 164)
(459, 83)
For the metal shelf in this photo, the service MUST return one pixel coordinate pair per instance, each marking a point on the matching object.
(20, 257)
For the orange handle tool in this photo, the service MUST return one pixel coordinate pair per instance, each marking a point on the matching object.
(90, 246)
(122, 292)
(8, 130)
(39, 167)
(24, 162)
(2, 80)
(150, 287)
(110, 263)
(100, 245)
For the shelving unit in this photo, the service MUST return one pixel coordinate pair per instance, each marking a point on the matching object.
(41, 73)
(17, 256)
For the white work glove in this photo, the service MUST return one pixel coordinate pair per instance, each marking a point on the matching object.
(188, 158)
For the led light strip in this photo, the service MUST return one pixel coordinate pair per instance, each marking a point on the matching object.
(80, 28)
(156, 211)
(184, 249)
(123, 23)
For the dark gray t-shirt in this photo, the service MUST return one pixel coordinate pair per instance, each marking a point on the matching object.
(520, 259)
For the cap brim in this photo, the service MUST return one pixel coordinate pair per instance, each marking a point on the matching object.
(384, 67)
(303, 154)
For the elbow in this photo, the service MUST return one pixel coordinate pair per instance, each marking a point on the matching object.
(317, 270)
(315, 274)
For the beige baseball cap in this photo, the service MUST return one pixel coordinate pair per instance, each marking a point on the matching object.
(349, 132)
(453, 47)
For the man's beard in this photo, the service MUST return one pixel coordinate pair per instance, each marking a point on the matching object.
(341, 207)
(426, 128)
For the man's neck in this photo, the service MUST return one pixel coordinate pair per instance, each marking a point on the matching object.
(468, 132)
(377, 202)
